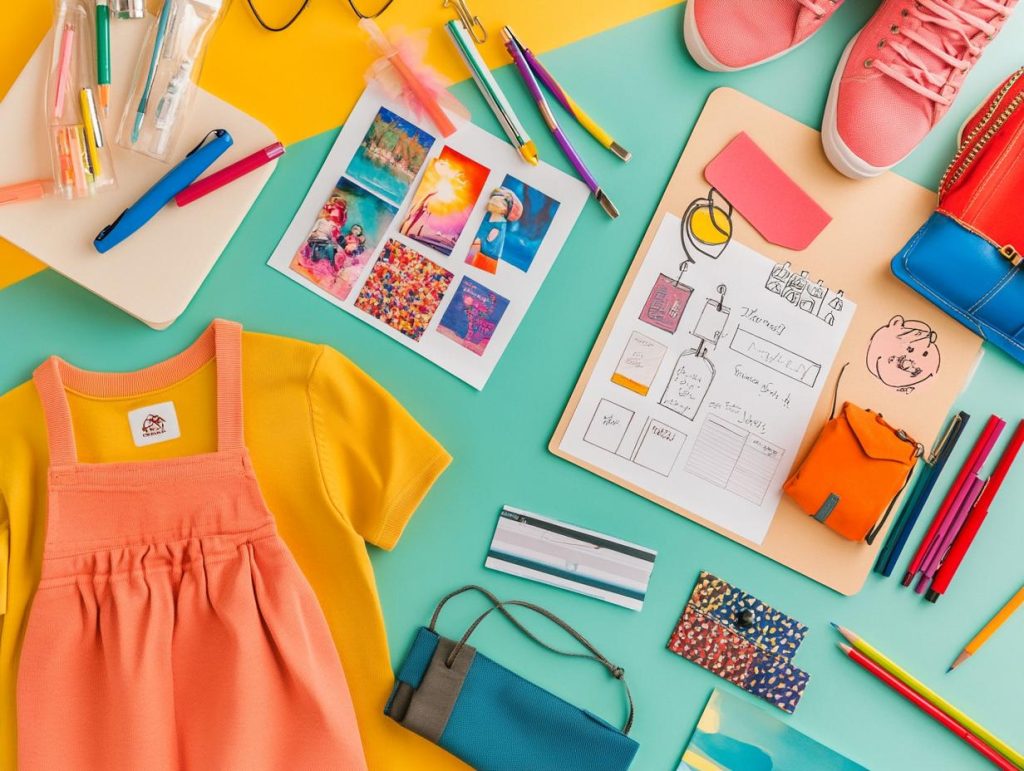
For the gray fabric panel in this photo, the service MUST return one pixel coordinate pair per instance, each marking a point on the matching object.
(434, 700)
(400, 702)
(827, 507)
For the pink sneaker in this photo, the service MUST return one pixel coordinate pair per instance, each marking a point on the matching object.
(729, 35)
(898, 77)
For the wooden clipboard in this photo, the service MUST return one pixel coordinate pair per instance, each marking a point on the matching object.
(872, 220)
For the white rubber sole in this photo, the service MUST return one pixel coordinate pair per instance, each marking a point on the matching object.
(700, 53)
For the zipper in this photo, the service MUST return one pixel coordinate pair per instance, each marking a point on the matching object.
(962, 161)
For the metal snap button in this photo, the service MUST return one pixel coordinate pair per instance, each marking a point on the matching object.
(745, 618)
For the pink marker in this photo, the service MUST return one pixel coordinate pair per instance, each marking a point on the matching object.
(945, 538)
(63, 70)
(228, 174)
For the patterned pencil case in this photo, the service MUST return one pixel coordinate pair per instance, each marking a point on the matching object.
(741, 639)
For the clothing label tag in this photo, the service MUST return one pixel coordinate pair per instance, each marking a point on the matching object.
(154, 424)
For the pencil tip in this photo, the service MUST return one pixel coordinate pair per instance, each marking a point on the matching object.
(835, 625)
(845, 648)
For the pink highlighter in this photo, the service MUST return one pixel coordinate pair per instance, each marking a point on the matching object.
(228, 174)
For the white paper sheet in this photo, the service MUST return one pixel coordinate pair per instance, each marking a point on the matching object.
(516, 286)
(719, 427)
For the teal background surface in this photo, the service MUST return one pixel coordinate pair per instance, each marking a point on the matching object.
(638, 80)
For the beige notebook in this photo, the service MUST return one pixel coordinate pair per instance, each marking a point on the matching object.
(705, 389)
(154, 274)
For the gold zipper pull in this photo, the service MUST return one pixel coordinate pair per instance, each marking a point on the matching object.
(1010, 253)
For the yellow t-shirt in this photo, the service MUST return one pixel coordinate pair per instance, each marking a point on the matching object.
(340, 464)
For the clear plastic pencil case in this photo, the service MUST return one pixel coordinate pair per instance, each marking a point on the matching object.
(79, 146)
(165, 77)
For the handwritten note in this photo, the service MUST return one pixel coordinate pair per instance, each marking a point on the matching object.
(707, 411)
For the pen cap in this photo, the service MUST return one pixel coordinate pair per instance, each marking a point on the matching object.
(166, 72)
(80, 159)
(128, 9)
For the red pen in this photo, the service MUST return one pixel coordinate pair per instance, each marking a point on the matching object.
(971, 466)
(977, 516)
(228, 174)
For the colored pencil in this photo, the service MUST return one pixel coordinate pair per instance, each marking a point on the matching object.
(971, 466)
(931, 696)
(989, 629)
(976, 519)
(936, 714)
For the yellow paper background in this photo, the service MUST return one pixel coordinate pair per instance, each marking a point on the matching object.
(305, 80)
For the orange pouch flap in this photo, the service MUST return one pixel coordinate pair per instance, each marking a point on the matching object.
(855, 469)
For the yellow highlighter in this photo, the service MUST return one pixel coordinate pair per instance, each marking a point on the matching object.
(93, 130)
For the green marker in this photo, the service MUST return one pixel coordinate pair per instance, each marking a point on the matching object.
(103, 53)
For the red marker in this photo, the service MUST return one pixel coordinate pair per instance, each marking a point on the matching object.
(976, 518)
(228, 174)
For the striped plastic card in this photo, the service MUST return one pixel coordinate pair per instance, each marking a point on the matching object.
(560, 554)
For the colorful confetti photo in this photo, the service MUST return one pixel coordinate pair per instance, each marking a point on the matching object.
(472, 316)
(404, 289)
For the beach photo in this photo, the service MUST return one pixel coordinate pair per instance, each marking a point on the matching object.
(347, 229)
(390, 155)
(444, 200)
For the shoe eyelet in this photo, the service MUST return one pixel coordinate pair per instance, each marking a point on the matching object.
(895, 29)
(904, 13)
(881, 43)
(869, 62)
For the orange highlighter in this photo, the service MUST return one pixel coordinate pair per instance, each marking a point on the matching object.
(405, 71)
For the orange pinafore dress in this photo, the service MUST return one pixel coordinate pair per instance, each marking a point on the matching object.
(172, 629)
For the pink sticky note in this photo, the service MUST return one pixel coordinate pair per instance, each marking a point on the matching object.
(774, 204)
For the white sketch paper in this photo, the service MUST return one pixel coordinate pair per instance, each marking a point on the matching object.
(740, 379)
(511, 290)
(639, 363)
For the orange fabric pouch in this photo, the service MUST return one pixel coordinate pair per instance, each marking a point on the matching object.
(853, 474)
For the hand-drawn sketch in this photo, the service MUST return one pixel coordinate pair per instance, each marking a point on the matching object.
(706, 227)
(713, 318)
(904, 354)
(639, 363)
(659, 447)
(609, 425)
(798, 290)
(775, 357)
(734, 459)
(690, 381)
(666, 303)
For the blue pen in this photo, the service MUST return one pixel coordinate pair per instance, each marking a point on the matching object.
(173, 182)
(158, 42)
(901, 531)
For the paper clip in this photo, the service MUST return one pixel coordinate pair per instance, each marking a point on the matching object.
(469, 20)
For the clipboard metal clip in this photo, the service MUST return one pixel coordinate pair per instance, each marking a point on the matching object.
(469, 20)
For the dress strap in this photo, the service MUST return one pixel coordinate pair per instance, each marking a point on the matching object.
(60, 431)
(228, 339)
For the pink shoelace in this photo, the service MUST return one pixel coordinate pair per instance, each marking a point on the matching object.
(818, 9)
(948, 34)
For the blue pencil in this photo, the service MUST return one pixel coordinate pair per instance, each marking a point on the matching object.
(926, 482)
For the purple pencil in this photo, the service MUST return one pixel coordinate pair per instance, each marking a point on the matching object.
(944, 538)
(515, 50)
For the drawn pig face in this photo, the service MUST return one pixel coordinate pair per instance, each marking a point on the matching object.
(903, 354)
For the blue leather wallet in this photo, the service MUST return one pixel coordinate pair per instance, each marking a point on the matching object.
(969, 278)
